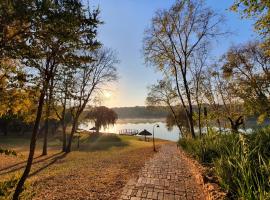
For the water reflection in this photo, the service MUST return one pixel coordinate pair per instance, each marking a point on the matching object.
(160, 132)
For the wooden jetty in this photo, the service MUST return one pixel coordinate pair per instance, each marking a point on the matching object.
(128, 132)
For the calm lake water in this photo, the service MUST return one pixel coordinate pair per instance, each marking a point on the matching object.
(140, 124)
(161, 132)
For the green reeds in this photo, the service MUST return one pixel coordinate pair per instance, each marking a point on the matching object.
(241, 162)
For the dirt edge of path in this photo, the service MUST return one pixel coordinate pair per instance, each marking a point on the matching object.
(212, 190)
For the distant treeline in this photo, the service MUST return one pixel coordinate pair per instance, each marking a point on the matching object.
(141, 112)
(157, 112)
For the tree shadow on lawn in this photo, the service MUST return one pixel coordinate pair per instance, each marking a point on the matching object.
(21, 165)
(101, 142)
(54, 160)
(94, 142)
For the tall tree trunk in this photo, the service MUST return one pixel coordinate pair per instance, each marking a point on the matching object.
(45, 139)
(190, 121)
(236, 124)
(186, 86)
(64, 138)
(205, 113)
(45, 135)
(234, 128)
(63, 123)
(200, 121)
(76, 119)
(27, 169)
(191, 124)
(48, 110)
(73, 129)
(189, 116)
(188, 111)
(181, 133)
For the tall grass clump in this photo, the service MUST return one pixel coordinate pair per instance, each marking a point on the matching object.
(7, 189)
(8, 152)
(240, 161)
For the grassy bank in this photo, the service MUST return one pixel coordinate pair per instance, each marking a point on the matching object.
(240, 162)
(98, 170)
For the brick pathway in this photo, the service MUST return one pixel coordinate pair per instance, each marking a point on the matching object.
(166, 176)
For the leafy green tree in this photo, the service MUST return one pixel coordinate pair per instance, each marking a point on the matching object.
(260, 11)
(163, 94)
(223, 101)
(248, 67)
(15, 23)
(199, 63)
(59, 29)
(102, 117)
(179, 119)
(173, 40)
(12, 83)
(212, 97)
(89, 78)
(17, 97)
(62, 96)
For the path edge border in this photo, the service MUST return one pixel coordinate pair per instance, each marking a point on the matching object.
(212, 191)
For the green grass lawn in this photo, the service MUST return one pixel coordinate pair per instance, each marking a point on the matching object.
(97, 170)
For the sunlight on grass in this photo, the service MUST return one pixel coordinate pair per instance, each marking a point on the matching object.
(102, 156)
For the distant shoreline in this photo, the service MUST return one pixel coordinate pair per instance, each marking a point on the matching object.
(139, 120)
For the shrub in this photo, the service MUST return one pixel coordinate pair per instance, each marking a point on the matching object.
(241, 161)
(8, 152)
(7, 188)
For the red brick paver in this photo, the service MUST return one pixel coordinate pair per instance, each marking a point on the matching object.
(166, 177)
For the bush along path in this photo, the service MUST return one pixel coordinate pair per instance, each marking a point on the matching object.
(166, 176)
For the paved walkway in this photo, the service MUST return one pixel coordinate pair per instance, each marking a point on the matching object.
(166, 176)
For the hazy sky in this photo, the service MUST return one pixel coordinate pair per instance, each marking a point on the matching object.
(123, 31)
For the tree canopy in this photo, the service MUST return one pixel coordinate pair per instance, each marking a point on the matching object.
(102, 117)
(259, 10)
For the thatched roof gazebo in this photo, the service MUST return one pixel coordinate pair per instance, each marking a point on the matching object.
(145, 133)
